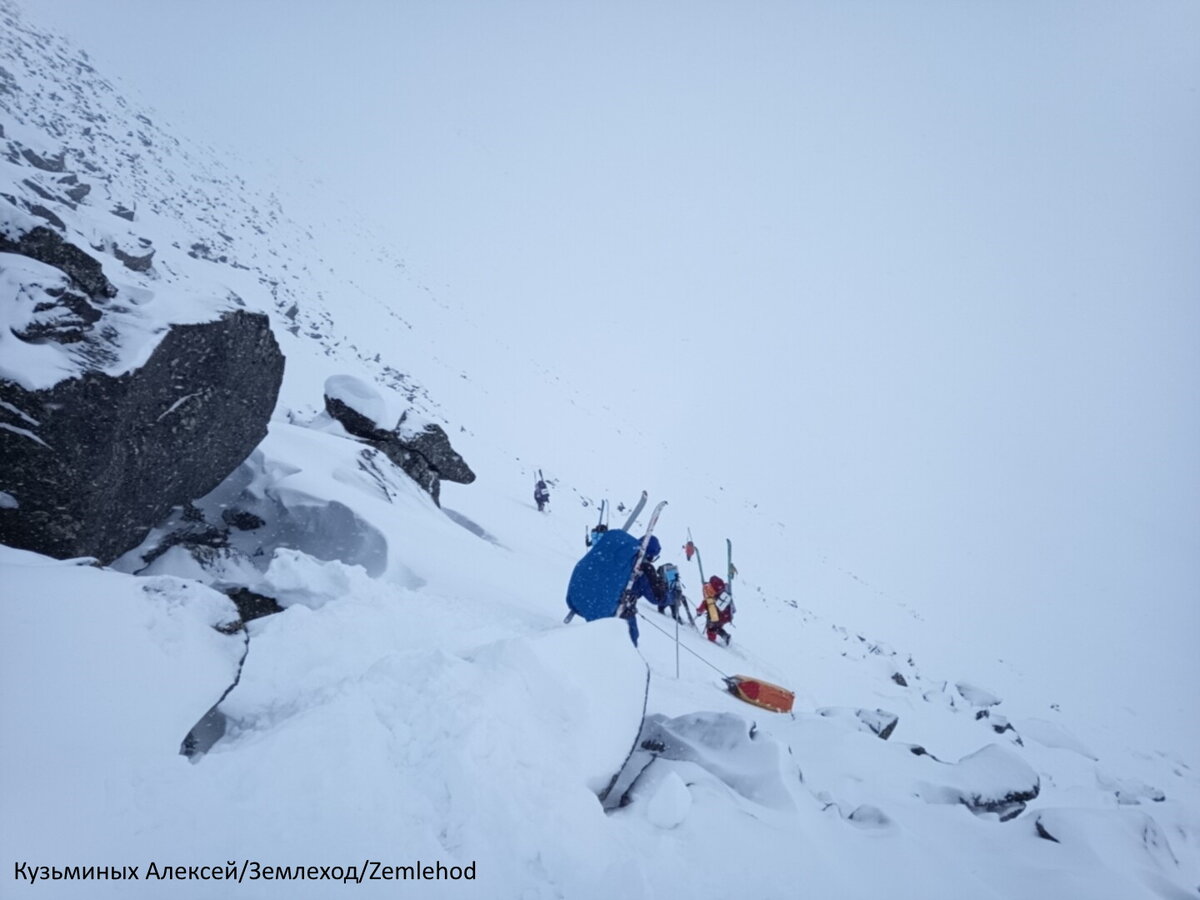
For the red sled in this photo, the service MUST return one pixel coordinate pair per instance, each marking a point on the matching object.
(761, 693)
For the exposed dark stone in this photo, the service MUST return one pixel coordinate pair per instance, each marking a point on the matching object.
(135, 263)
(434, 445)
(45, 163)
(198, 537)
(355, 422)
(41, 191)
(428, 459)
(415, 466)
(190, 512)
(899, 679)
(120, 210)
(1005, 811)
(241, 519)
(881, 722)
(252, 605)
(48, 247)
(42, 213)
(105, 458)
(1043, 833)
(78, 192)
(65, 318)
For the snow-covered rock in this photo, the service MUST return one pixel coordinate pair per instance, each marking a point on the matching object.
(991, 780)
(420, 448)
(671, 803)
(103, 676)
(976, 695)
(96, 461)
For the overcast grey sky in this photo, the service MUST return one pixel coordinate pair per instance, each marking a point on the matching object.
(943, 255)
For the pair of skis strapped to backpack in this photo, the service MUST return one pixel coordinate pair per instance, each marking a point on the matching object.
(613, 574)
(690, 550)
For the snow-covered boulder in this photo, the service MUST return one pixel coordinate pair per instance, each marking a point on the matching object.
(358, 406)
(419, 447)
(722, 749)
(877, 721)
(49, 247)
(977, 696)
(103, 676)
(94, 462)
(991, 780)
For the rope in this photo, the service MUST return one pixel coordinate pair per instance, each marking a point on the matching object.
(649, 622)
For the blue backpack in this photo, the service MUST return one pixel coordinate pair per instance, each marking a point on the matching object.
(598, 580)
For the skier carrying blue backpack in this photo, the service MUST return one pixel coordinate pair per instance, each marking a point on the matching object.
(648, 584)
(615, 572)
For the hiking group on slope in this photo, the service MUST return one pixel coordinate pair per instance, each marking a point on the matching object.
(661, 586)
(619, 570)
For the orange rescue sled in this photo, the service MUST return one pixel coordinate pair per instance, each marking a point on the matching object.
(761, 693)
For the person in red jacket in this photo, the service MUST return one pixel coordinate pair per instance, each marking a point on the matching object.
(717, 607)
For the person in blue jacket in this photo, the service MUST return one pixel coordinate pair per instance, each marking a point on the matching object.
(648, 584)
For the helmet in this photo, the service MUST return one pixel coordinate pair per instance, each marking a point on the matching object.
(717, 584)
(653, 548)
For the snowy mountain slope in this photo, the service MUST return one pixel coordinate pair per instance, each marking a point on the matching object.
(419, 698)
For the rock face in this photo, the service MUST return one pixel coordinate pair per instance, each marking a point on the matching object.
(425, 456)
(47, 246)
(94, 462)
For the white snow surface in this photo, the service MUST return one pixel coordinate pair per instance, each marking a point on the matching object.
(419, 697)
(361, 397)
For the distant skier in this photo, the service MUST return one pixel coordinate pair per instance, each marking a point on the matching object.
(717, 607)
(541, 495)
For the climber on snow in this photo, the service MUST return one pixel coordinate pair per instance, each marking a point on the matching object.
(717, 607)
(648, 584)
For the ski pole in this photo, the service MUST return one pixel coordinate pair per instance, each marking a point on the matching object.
(677, 647)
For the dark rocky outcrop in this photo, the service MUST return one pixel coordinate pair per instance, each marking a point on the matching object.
(63, 316)
(47, 246)
(355, 422)
(433, 445)
(251, 604)
(56, 163)
(426, 457)
(134, 262)
(94, 462)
